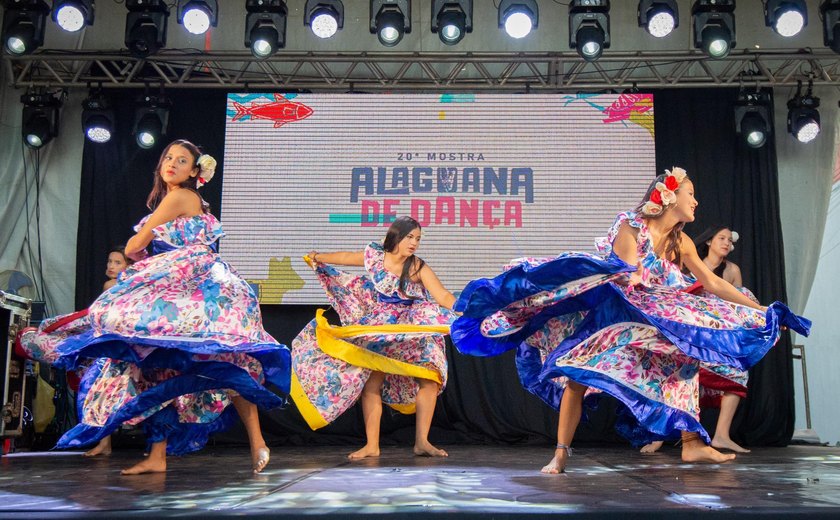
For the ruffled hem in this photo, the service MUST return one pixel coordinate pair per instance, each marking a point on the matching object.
(172, 352)
(654, 420)
(181, 437)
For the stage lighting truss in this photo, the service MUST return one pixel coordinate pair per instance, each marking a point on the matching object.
(714, 27)
(786, 17)
(830, 14)
(659, 17)
(145, 26)
(803, 119)
(452, 20)
(324, 17)
(197, 16)
(752, 117)
(23, 25)
(97, 118)
(39, 123)
(390, 20)
(518, 17)
(151, 119)
(265, 26)
(589, 27)
(73, 15)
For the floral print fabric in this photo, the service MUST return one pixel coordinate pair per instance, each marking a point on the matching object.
(333, 384)
(184, 317)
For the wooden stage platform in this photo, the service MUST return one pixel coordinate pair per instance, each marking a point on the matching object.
(474, 482)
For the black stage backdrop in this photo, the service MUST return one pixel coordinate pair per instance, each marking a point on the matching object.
(483, 402)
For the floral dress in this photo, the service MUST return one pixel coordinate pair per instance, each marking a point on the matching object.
(174, 338)
(398, 332)
(643, 344)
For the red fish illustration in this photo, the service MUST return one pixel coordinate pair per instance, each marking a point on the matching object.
(281, 111)
(626, 106)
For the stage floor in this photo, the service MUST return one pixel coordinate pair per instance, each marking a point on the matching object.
(475, 481)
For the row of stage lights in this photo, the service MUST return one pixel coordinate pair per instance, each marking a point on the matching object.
(753, 117)
(265, 27)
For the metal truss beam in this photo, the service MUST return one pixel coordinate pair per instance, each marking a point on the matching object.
(389, 71)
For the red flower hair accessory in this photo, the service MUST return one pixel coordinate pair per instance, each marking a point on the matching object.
(663, 193)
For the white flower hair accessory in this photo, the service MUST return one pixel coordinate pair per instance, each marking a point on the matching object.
(664, 194)
(206, 169)
(735, 237)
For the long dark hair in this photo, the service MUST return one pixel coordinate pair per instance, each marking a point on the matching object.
(159, 187)
(703, 248)
(121, 250)
(399, 229)
(674, 237)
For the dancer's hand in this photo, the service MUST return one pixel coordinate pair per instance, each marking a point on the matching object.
(630, 279)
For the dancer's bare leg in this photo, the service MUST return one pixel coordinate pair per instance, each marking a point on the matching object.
(250, 418)
(695, 450)
(653, 447)
(372, 412)
(103, 448)
(426, 399)
(154, 463)
(728, 406)
(571, 407)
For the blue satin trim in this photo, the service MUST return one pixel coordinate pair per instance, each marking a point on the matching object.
(159, 246)
(88, 378)
(184, 437)
(485, 296)
(172, 353)
(385, 298)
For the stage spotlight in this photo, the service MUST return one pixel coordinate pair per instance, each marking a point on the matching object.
(23, 25)
(830, 11)
(97, 118)
(324, 17)
(786, 17)
(803, 119)
(451, 20)
(659, 17)
(72, 15)
(714, 26)
(518, 17)
(145, 26)
(752, 117)
(39, 123)
(390, 20)
(265, 26)
(589, 27)
(197, 16)
(151, 118)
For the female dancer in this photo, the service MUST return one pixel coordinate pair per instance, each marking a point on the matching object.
(117, 263)
(181, 329)
(721, 386)
(390, 347)
(622, 324)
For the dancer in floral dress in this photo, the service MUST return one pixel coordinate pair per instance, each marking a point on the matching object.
(623, 323)
(721, 386)
(181, 330)
(390, 347)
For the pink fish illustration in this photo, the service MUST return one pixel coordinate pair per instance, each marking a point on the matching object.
(626, 105)
(281, 111)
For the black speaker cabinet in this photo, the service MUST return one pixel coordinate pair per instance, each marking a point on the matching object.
(14, 315)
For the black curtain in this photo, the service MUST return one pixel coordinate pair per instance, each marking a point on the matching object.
(483, 402)
(738, 187)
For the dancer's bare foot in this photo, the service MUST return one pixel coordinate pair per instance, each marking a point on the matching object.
(365, 452)
(728, 444)
(103, 448)
(149, 465)
(426, 449)
(697, 451)
(260, 458)
(653, 447)
(558, 463)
